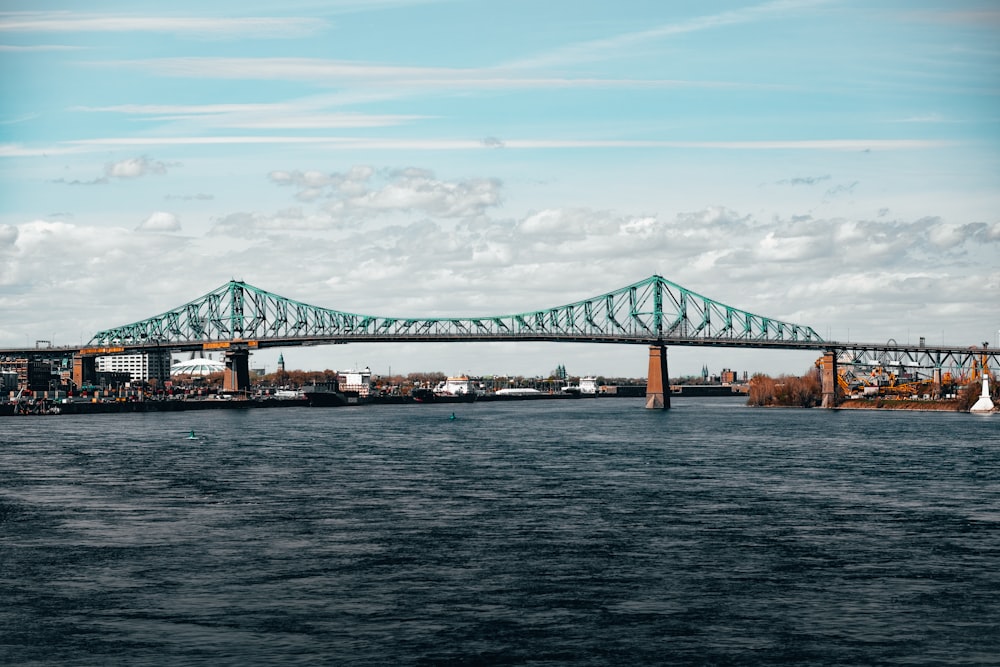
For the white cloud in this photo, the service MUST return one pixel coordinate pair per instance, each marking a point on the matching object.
(947, 236)
(600, 49)
(644, 227)
(127, 169)
(566, 225)
(800, 270)
(29, 48)
(402, 78)
(160, 221)
(301, 115)
(777, 248)
(251, 225)
(8, 235)
(203, 27)
(135, 167)
(438, 144)
(314, 121)
(361, 192)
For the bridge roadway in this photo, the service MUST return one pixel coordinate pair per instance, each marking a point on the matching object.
(941, 355)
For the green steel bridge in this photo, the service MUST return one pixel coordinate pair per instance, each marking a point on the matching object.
(651, 311)
(237, 317)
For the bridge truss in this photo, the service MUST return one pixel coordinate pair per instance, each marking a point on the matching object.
(652, 311)
(892, 364)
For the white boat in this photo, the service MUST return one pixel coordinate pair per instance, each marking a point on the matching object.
(517, 391)
(456, 386)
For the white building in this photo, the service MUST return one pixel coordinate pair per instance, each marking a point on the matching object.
(198, 367)
(145, 366)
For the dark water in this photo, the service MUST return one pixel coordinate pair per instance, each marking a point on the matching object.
(567, 532)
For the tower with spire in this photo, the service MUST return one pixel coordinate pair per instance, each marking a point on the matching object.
(281, 363)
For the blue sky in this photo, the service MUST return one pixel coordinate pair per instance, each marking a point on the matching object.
(831, 163)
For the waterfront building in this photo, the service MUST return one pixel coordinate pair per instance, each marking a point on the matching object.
(140, 367)
(32, 374)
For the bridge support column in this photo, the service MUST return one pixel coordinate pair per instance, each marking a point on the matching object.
(829, 379)
(657, 381)
(237, 376)
(84, 371)
(936, 383)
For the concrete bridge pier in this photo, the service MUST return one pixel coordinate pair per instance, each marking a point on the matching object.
(829, 377)
(657, 381)
(237, 376)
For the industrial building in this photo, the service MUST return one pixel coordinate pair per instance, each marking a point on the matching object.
(24, 373)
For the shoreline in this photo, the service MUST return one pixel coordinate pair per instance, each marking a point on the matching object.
(48, 407)
(51, 408)
(912, 406)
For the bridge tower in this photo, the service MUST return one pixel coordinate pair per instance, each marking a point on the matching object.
(657, 380)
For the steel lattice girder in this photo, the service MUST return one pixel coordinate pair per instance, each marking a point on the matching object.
(921, 361)
(654, 310)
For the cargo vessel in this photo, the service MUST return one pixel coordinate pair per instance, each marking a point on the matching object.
(348, 388)
(328, 395)
(453, 390)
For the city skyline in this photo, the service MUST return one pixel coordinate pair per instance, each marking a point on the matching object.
(828, 163)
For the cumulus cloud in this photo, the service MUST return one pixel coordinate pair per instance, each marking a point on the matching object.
(127, 169)
(775, 247)
(745, 260)
(95, 277)
(943, 235)
(566, 225)
(160, 221)
(135, 167)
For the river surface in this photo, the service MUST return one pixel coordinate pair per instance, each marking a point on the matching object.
(588, 532)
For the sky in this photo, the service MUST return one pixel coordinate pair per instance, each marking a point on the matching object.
(834, 164)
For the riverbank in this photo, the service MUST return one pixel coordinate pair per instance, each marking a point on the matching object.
(951, 405)
(79, 407)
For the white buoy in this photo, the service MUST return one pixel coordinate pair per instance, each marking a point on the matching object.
(984, 404)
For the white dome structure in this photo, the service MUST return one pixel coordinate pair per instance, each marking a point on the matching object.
(199, 367)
